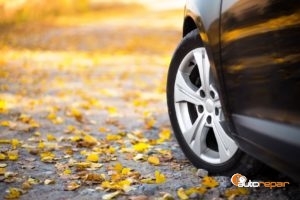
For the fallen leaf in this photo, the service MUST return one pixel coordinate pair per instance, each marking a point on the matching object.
(154, 160)
(110, 195)
(111, 137)
(159, 177)
(47, 157)
(71, 186)
(13, 155)
(51, 137)
(141, 147)
(15, 143)
(13, 193)
(165, 134)
(49, 181)
(93, 157)
(2, 156)
(209, 182)
(2, 170)
(93, 178)
(181, 194)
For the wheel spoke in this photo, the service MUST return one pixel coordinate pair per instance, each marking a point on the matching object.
(184, 90)
(226, 145)
(194, 135)
(203, 67)
(218, 103)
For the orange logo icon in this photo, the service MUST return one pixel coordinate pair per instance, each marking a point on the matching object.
(237, 179)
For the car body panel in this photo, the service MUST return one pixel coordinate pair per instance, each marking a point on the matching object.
(255, 50)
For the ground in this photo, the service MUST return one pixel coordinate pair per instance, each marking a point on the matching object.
(83, 110)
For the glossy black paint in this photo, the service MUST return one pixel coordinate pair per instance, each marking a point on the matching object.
(255, 50)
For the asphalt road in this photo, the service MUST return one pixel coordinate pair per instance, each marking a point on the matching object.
(83, 110)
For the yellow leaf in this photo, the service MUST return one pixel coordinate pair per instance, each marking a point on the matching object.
(149, 123)
(5, 123)
(82, 165)
(125, 171)
(15, 143)
(2, 170)
(51, 137)
(33, 181)
(209, 182)
(3, 106)
(47, 156)
(154, 160)
(93, 157)
(118, 167)
(67, 172)
(74, 112)
(25, 118)
(141, 147)
(70, 129)
(112, 110)
(2, 156)
(13, 193)
(13, 155)
(110, 195)
(159, 177)
(41, 145)
(181, 194)
(4, 141)
(71, 186)
(111, 137)
(165, 134)
(90, 140)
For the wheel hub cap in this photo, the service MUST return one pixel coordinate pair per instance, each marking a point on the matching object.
(209, 106)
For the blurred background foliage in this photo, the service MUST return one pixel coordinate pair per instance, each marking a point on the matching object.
(18, 11)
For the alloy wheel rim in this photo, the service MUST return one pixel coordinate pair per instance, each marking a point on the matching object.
(199, 110)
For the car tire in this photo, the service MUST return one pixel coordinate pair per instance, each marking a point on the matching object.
(196, 115)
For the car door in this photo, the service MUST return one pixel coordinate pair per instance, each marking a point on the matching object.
(260, 55)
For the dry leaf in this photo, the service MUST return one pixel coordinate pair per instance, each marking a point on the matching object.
(159, 177)
(13, 155)
(71, 186)
(47, 157)
(209, 182)
(51, 137)
(181, 194)
(93, 157)
(13, 193)
(2, 156)
(110, 195)
(49, 181)
(15, 143)
(154, 160)
(94, 178)
(141, 147)
(111, 137)
(2, 170)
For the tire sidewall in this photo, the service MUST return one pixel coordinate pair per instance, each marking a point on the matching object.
(190, 42)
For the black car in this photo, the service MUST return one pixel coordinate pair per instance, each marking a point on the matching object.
(233, 87)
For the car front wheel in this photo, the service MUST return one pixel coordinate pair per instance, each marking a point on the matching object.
(195, 110)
